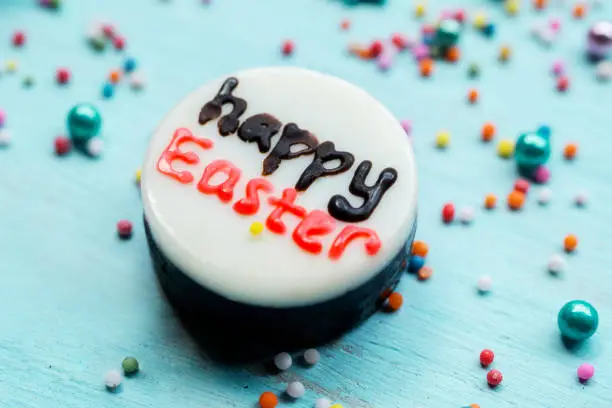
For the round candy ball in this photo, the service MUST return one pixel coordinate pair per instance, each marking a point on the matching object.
(283, 361)
(578, 320)
(585, 372)
(84, 122)
(416, 262)
(532, 149)
(130, 366)
(296, 389)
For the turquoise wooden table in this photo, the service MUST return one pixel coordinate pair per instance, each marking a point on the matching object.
(75, 299)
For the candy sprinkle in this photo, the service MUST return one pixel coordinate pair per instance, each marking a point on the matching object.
(490, 201)
(137, 176)
(256, 228)
(424, 273)
(287, 48)
(443, 138)
(420, 248)
(570, 150)
(312, 356)
(585, 372)
(494, 378)
(124, 229)
(556, 264)
(394, 302)
(516, 199)
(130, 366)
(323, 403)
(113, 379)
(484, 284)
(283, 361)
(486, 357)
(5, 137)
(488, 132)
(505, 148)
(570, 243)
(472, 96)
(62, 145)
(581, 199)
(268, 400)
(295, 389)
(504, 53)
(448, 213)
(544, 196)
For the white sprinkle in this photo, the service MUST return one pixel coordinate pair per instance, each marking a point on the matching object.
(296, 389)
(556, 264)
(312, 356)
(94, 31)
(5, 137)
(466, 215)
(547, 36)
(537, 29)
(603, 71)
(544, 196)
(95, 147)
(484, 284)
(322, 403)
(113, 379)
(283, 361)
(137, 81)
(581, 199)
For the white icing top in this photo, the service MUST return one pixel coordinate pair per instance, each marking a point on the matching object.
(211, 242)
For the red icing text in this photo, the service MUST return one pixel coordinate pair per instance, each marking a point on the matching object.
(312, 224)
(173, 152)
(225, 190)
(249, 205)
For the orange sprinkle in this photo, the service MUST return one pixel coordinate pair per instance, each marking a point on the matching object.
(420, 248)
(268, 400)
(426, 67)
(579, 10)
(490, 201)
(395, 301)
(453, 54)
(360, 51)
(114, 77)
(516, 199)
(570, 150)
(474, 406)
(540, 4)
(570, 243)
(488, 131)
(345, 24)
(473, 96)
(424, 273)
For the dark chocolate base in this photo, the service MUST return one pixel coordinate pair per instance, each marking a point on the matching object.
(237, 332)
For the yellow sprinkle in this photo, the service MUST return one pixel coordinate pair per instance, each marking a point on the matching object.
(256, 228)
(504, 53)
(419, 10)
(137, 176)
(480, 20)
(512, 6)
(11, 66)
(505, 148)
(443, 139)
(336, 406)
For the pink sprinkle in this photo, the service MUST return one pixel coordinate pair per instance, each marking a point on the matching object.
(420, 52)
(521, 185)
(562, 83)
(558, 68)
(541, 175)
(459, 15)
(585, 372)
(124, 229)
(108, 30)
(2, 118)
(401, 41)
(407, 125)
(119, 43)
(385, 61)
(555, 24)
(447, 15)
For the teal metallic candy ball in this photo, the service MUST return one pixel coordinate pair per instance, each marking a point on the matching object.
(84, 122)
(532, 149)
(447, 34)
(578, 320)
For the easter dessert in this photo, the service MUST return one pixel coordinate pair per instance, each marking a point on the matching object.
(279, 205)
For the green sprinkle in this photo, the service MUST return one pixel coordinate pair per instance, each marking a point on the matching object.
(473, 70)
(130, 366)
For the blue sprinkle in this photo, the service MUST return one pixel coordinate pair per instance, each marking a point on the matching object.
(108, 91)
(488, 30)
(416, 263)
(544, 130)
(129, 65)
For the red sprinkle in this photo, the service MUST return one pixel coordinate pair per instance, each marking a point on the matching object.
(119, 43)
(288, 47)
(521, 185)
(345, 24)
(400, 41)
(486, 357)
(19, 38)
(562, 84)
(62, 145)
(63, 76)
(494, 378)
(108, 30)
(459, 15)
(448, 213)
(124, 229)
(376, 48)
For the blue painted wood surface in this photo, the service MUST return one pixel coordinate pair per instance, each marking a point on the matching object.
(75, 300)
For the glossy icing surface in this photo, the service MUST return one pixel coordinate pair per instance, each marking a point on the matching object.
(203, 234)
